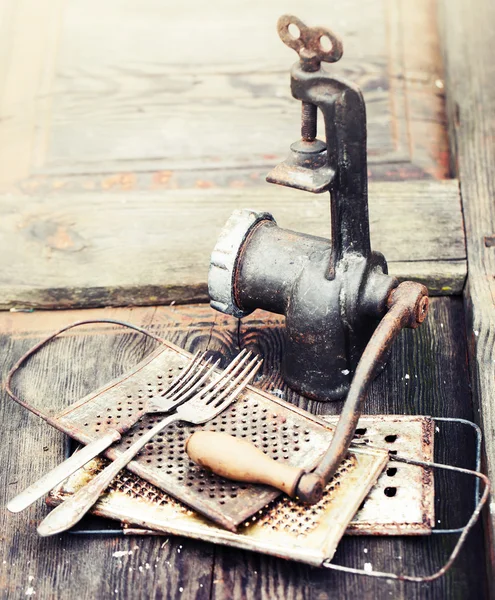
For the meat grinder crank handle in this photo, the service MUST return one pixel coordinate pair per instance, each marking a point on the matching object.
(46, 483)
(407, 307)
(239, 460)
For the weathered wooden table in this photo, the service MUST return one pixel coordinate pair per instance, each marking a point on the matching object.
(106, 202)
(434, 357)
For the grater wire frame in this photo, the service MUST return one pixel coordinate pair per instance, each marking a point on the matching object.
(477, 467)
(460, 542)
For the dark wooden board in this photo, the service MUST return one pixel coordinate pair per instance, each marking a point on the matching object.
(467, 33)
(434, 357)
(154, 248)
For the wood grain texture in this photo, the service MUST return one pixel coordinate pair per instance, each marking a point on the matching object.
(467, 37)
(434, 359)
(145, 94)
(29, 32)
(105, 249)
(58, 568)
(228, 95)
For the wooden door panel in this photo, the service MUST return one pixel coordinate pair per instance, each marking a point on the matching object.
(100, 100)
(131, 95)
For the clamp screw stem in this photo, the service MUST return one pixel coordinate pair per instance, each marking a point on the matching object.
(309, 121)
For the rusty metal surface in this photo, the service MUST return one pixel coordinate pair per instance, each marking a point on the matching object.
(342, 310)
(207, 403)
(287, 433)
(408, 511)
(402, 501)
(306, 168)
(332, 292)
(311, 43)
(408, 307)
(284, 528)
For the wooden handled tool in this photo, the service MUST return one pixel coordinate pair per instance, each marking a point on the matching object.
(237, 459)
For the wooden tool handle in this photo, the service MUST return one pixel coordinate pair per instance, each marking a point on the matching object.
(237, 459)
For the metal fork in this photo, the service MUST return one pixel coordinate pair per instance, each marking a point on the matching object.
(204, 406)
(181, 389)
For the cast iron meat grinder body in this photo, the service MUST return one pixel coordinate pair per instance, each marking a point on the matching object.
(332, 293)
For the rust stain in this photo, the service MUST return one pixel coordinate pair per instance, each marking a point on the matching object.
(203, 184)
(161, 178)
(121, 181)
(51, 235)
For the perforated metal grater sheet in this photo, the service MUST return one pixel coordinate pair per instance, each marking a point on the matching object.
(284, 528)
(400, 503)
(283, 431)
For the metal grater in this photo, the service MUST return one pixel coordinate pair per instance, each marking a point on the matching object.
(400, 503)
(285, 432)
(283, 522)
(284, 528)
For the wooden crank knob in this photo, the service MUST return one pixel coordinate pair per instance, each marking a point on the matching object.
(237, 459)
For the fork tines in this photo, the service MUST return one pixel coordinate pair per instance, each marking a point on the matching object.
(227, 374)
(185, 374)
(220, 393)
(238, 384)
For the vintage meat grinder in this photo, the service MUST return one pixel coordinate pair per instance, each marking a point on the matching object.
(342, 309)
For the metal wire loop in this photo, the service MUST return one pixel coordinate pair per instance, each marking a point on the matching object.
(460, 542)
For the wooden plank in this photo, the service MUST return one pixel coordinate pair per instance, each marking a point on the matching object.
(441, 277)
(434, 358)
(467, 33)
(416, 79)
(29, 32)
(107, 249)
(209, 91)
(202, 94)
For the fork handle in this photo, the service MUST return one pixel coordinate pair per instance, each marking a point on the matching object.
(74, 508)
(237, 459)
(62, 471)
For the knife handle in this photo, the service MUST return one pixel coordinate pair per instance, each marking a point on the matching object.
(72, 510)
(237, 459)
(62, 471)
